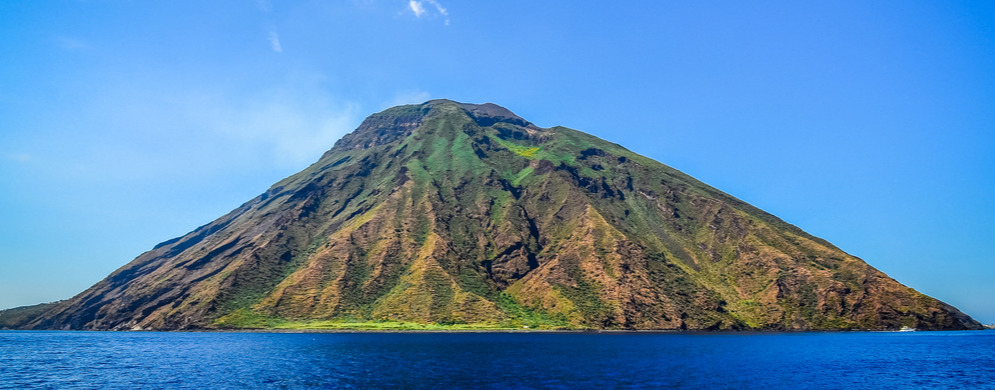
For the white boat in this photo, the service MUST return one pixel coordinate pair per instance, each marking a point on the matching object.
(907, 329)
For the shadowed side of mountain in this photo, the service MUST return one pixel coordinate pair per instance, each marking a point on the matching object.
(17, 317)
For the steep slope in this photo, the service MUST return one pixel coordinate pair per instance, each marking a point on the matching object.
(453, 213)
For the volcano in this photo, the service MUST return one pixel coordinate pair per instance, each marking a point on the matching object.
(466, 215)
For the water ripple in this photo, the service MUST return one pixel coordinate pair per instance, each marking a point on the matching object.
(111, 360)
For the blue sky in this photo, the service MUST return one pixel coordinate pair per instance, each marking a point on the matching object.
(870, 124)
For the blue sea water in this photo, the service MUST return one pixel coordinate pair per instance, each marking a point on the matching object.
(130, 360)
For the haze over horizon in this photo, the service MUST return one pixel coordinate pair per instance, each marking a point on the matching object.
(127, 124)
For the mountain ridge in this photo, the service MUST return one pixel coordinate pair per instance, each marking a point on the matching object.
(464, 214)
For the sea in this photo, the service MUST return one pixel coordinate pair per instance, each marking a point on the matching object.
(534, 360)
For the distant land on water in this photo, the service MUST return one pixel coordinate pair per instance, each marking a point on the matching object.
(447, 215)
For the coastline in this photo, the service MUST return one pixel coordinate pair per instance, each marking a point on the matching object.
(491, 330)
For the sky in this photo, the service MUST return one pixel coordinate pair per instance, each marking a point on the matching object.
(870, 124)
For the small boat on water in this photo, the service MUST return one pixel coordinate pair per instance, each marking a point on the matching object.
(907, 329)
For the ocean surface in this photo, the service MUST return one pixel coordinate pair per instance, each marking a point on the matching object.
(130, 360)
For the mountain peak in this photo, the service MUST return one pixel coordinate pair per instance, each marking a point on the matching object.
(399, 121)
(485, 114)
(488, 114)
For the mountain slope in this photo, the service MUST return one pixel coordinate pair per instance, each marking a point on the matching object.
(453, 213)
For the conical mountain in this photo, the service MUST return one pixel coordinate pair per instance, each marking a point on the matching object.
(450, 213)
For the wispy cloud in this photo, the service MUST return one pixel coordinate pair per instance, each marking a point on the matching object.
(418, 7)
(408, 97)
(274, 37)
(291, 124)
(274, 41)
(293, 136)
(73, 44)
(288, 124)
(19, 157)
(438, 7)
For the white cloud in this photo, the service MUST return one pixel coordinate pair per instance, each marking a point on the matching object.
(418, 7)
(274, 41)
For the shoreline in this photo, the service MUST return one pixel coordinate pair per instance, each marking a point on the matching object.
(496, 331)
